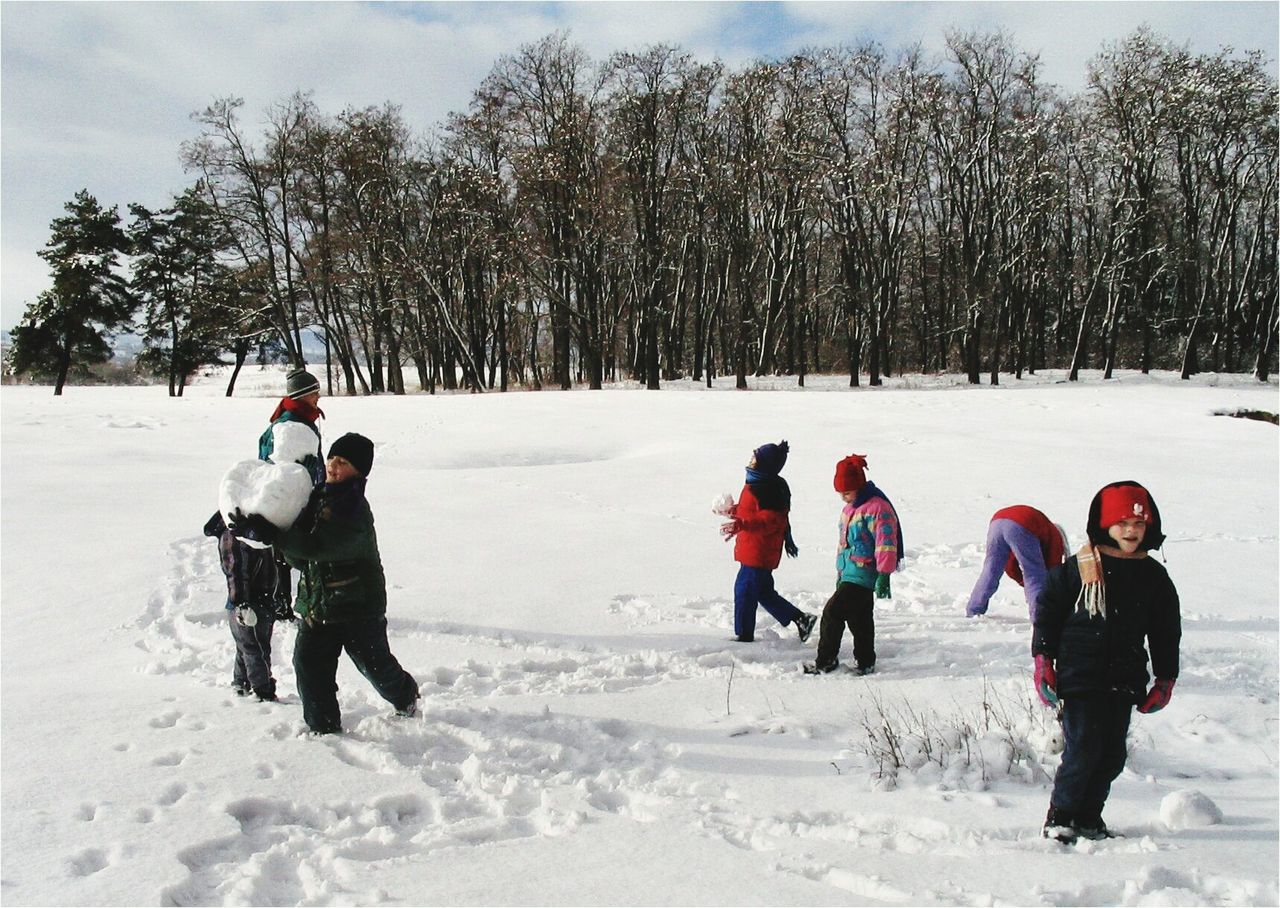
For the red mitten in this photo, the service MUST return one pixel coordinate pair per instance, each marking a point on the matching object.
(1158, 697)
(1046, 680)
(730, 529)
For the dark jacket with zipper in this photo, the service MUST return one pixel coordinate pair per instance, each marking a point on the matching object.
(335, 549)
(251, 572)
(1108, 654)
(1095, 654)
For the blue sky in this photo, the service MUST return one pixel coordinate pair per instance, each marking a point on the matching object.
(99, 95)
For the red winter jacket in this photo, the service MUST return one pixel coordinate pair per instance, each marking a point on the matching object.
(1040, 526)
(759, 540)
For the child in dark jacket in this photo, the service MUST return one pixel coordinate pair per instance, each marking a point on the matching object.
(342, 591)
(1094, 621)
(760, 526)
(251, 593)
(869, 551)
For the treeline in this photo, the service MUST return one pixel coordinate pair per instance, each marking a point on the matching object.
(652, 217)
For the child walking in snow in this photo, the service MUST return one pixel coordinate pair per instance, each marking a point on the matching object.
(342, 592)
(869, 551)
(1023, 543)
(760, 526)
(251, 610)
(1093, 623)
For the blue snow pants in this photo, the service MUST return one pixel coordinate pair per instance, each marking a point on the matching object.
(753, 587)
(1094, 727)
(1005, 536)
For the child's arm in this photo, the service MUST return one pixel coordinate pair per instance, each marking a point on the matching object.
(327, 540)
(1053, 606)
(1164, 633)
(885, 529)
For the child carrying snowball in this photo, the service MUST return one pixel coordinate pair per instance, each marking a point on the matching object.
(294, 437)
(760, 526)
(869, 551)
(1093, 623)
(251, 612)
(342, 592)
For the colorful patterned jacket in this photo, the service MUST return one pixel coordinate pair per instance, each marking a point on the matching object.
(870, 538)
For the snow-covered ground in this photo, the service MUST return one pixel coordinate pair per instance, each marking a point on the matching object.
(589, 732)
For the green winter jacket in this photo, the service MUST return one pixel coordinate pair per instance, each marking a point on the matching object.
(335, 549)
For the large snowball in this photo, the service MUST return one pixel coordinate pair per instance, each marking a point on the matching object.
(1189, 809)
(291, 442)
(277, 491)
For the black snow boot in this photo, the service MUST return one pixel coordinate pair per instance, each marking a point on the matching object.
(1059, 825)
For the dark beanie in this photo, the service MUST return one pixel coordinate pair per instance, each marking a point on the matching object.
(772, 458)
(355, 450)
(300, 383)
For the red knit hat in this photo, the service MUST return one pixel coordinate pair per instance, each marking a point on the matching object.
(849, 473)
(1124, 503)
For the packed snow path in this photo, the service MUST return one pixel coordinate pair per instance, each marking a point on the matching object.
(589, 733)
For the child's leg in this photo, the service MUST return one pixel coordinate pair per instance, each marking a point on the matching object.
(992, 567)
(1116, 713)
(1085, 734)
(834, 615)
(773, 601)
(256, 652)
(239, 674)
(366, 644)
(315, 662)
(1026, 548)
(746, 596)
(862, 625)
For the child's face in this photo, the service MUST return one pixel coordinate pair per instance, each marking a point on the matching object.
(1128, 534)
(339, 469)
(751, 464)
(848, 496)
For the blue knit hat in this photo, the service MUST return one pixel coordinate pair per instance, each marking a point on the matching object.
(772, 458)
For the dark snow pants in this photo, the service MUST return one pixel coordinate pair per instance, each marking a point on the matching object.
(253, 652)
(1094, 728)
(753, 587)
(853, 605)
(315, 662)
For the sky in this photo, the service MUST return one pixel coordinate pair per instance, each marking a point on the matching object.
(99, 96)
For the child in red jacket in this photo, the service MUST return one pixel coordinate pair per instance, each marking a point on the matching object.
(760, 527)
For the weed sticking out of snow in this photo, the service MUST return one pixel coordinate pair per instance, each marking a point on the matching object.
(1005, 736)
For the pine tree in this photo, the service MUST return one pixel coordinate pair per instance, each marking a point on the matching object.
(68, 327)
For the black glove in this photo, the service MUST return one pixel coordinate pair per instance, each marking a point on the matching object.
(252, 526)
(792, 549)
(284, 609)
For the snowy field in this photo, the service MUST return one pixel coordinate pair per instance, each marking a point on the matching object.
(589, 733)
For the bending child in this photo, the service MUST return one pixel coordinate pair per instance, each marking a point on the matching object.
(1023, 543)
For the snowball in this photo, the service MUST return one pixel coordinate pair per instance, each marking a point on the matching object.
(277, 491)
(1188, 809)
(722, 505)
(291, 442)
